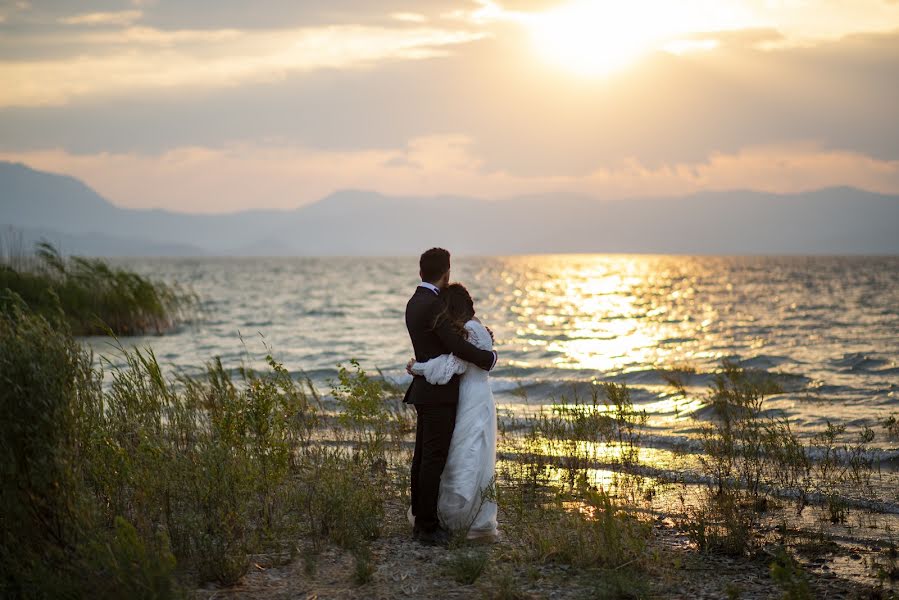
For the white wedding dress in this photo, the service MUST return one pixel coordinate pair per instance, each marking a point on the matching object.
(471, 462)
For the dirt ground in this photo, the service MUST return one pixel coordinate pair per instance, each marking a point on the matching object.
(406, 569)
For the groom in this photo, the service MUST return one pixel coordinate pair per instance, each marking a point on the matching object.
(435, 405)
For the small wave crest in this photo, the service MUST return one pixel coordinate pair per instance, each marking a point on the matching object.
(857, 361)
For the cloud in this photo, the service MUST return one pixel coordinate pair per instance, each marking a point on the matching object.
(237, 14)
(211, 14)
(408, 17)
(245, 175)
(134, 60)
(123, 17)
(340, 82)
(521, 117)
(798, 21)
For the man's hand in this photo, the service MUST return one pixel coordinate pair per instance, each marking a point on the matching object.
(490, 331)
(409, 366)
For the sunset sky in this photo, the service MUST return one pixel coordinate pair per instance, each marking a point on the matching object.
(221, 105)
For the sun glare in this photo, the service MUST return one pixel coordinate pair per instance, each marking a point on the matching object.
(600, 37)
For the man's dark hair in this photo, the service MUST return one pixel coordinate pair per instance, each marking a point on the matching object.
(433, 264)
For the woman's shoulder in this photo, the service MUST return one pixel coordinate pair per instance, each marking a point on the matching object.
(479, 334)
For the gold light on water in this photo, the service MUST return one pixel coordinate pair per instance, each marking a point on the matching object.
(604, 313)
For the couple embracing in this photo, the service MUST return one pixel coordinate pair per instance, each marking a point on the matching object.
(455, 437)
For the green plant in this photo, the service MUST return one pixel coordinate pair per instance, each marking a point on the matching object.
(886, 566)
(891, 426)
(749, 451)
(790, 577)
(578, 432)
(370, 408)
(364, 566)
(504, 586)
(734, 444)
(733, 591)
(587, 531)
(465, 565)
(56, 539)
(94, 296)
(310, 560)
(341, 499)
(217, 467)
(618, 584)
(129, 567)
(721, 523)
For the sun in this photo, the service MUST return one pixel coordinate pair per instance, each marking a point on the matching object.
(591, 38)
(600, 37)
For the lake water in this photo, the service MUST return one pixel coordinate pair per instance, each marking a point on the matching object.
(828, 325)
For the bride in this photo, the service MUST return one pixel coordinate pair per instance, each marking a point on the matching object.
(469, 471)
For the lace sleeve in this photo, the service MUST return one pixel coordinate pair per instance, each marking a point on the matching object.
(479, 336)
(438, 371)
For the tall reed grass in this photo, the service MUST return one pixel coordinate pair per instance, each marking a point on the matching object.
(148, 484)
(95, 297)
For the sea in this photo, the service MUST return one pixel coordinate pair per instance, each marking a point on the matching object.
(826, 327)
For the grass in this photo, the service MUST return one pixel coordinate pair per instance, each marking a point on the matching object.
(95, 297)
(56, 538)
(790, 577)
(751, 453)
(891, 427)
(465, 565)
(364, 565)
(585, 530)
(162, 483)
(123, 481)
(504, 586)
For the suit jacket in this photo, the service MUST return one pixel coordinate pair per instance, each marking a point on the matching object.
(430, 339)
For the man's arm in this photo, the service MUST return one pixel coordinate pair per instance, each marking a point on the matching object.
(485, 359)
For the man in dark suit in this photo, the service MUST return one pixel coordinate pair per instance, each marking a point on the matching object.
(435, 405)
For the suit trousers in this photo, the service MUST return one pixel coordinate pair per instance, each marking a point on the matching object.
(433, 433)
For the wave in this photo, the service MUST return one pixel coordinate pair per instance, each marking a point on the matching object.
(858, 361)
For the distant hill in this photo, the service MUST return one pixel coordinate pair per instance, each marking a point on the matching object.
(352, 222)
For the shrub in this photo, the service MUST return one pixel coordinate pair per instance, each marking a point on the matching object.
(54, 539)
(722, 523)
(370, 408)
(130, 479)
(504, 586)
(750, 453)
(128, 567)
(579, 432)
(465, 565)
(94, 296)
(340, 499)
(790, 577)
(363, 565)
(891, 426)
(588, 532)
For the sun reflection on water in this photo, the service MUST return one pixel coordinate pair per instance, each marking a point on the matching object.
(605, 313)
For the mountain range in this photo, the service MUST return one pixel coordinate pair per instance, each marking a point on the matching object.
(63, 210)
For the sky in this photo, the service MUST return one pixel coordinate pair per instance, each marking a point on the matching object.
(224, 105)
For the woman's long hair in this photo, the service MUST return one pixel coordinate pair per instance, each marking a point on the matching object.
(458, 308)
